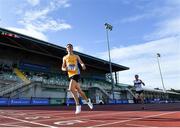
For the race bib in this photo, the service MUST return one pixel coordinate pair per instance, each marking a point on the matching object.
(71, 67)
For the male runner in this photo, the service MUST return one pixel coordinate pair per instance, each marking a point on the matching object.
(70, 64)
(139, 90)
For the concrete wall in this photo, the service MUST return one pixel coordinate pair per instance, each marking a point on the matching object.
(38, 91)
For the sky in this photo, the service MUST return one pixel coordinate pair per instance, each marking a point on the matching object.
(141, 29)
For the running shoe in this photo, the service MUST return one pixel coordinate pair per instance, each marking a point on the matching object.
(78, 109)
(90, 104)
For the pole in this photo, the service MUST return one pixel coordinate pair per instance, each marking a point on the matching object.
(165, 92)
(158, 55)
(109, 27)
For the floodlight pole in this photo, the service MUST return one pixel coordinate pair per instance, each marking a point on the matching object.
(109, 28)
(158, 55)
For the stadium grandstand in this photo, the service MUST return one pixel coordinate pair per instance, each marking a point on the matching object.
(30, 73)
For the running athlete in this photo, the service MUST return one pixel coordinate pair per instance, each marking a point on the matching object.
(70, 64)
(139, 90)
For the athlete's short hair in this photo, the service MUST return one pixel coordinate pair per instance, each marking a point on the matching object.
(69, 45)
(136, 75)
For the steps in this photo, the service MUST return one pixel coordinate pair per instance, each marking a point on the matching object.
(99, 87)
(21, 75)
(130, 91)
(13, 88)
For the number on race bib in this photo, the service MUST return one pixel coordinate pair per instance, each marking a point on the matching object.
(71, 67)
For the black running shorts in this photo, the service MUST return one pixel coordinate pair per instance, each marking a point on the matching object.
(139, 92)
(75, 77)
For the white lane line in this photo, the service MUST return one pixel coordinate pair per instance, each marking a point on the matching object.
(32, 112)
(12, 123)
(27, 112)
(9, 125)
(139, 118)
(50, 116)
(25, 121)
(41, 117)
(31, 115)
(44, 113)
(38, 116)
(102, 121)
(87, 116)
(137, 125)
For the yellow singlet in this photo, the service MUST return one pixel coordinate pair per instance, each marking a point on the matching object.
(72, 65)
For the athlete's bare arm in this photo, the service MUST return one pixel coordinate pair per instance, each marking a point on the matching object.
(64, 68)
(82, 64)
(142, 82)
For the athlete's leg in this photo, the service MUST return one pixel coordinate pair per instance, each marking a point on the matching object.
(142, 98)
(72, 88)
(82, 94)
(137, 97)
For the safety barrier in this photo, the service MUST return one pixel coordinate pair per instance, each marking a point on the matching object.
(30, 101)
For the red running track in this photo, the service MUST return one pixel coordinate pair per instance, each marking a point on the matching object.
(129, 115)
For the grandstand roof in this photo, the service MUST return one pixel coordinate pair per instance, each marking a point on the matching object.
(19, 41)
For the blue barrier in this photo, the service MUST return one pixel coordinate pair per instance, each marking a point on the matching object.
(112, 101)
(40, 102)
(4, 101)
(125, 101)
(118, 101)
(20, 102)
(23, 101)
(70, 101)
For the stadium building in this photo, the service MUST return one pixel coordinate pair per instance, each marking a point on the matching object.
(30, 73)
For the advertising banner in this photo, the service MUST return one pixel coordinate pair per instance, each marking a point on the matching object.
(40, 102)
(3, 101)
(19, 102)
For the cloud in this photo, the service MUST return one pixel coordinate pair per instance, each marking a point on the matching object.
(170, 27)
(79, 49)
(32, 15)
(136, 18)
(29, 32)
(142, 60)
(151, 10)
(40, 20)
(46, 24)
(33, 2)
(36, 19)
(59, 3)
(148, 48)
